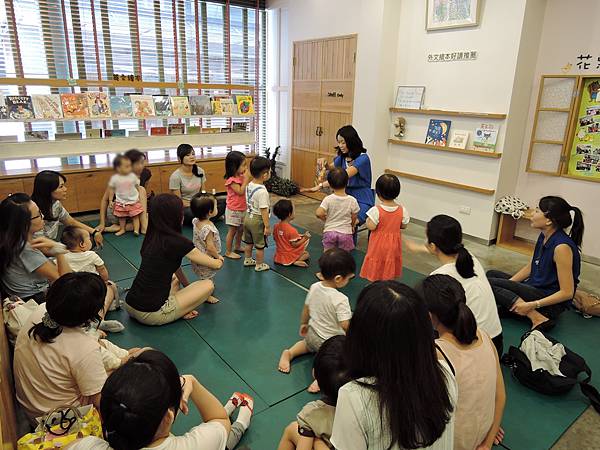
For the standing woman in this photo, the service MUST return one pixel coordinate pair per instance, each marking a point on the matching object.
(352, 157)
(187, 180)
(25, 269)
(540, 290)
(155, 297)
(49, 188)
(403, 394)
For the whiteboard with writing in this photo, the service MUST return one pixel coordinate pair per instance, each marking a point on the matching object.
(410, 97)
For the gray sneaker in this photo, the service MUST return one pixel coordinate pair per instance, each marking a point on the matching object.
(111, 326)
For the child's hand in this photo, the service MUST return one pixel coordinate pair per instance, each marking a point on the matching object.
(307, 235)
(267, 231)
(303, 330)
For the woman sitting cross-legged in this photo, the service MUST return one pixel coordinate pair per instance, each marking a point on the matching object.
(155, 297)
(540, 290)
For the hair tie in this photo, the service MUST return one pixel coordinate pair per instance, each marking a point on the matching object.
(49, 322)
(123, 406)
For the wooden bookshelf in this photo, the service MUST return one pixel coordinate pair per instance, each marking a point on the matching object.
(451, 184)
(506, 236)
(443, 112)
(483, 154)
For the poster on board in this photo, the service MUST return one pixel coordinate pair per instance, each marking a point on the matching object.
(584, 157)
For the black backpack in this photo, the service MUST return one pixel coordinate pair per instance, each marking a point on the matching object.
(542, 381)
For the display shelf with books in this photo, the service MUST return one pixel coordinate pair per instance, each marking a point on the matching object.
(121, 117)
(450, 184)
(443, 112)
(483, 154)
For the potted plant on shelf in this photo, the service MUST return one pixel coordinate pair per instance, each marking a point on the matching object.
(276, 184)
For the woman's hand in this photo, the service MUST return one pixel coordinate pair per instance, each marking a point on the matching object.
(522, 308)
(187, 386)
(98, 238)
(46, 245)
(101, 227)
(316, 188)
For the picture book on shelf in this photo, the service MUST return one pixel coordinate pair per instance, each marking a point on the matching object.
(223, 105)
(36, 135)
(200, 105)
(176, 128)
(138, 133)
(211, 130)
(67, 136)
(3, 110)
(162, 105)
(240, 127)
(121, 107)
(245, 105)
(459, 139)
(437, 133)
(19, 107)
(115, 133)
(98, 104)
(180, 106)
(47, 106)
(74, 106)
(194, 130)
(485, 138)
(143, 106)
(158, 131)
(93, 133)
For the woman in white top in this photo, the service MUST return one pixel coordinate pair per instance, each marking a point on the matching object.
(187, 180)
(403, 394)
(444, 241)
(140, 402)
(481, 394)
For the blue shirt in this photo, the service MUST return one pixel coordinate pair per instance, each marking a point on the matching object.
(363, 164)
(544, 274)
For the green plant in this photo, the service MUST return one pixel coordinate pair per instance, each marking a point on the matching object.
(276, 184)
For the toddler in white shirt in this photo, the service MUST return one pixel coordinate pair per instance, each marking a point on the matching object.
(124, 188)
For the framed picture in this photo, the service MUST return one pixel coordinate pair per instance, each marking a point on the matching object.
(444, 14)
(409, 97)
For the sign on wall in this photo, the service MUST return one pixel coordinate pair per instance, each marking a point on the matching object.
(452, 56)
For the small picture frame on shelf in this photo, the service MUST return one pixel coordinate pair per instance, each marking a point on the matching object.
(409, 97)
(445, 14)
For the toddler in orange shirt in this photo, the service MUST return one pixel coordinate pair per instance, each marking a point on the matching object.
(290, 246)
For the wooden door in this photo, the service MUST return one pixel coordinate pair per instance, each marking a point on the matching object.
(322, 101)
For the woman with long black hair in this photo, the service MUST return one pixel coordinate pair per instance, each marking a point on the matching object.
(49, 189)
(404, 393)
(187, 180)
(540, 290)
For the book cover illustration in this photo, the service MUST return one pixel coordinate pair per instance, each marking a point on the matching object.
(3, 110)
(47, 106)
(158, 131)
(459, 139)
(99, 105)
(143, 106)
(211, 130)
(216, 106)
(227, 106)
(121, 107)
(437, 133)
(67, 136)
(162, 105)
(19, 107)
(74, 106)
(36, 135)
(138, 133)
(194, 130)
(485, 138)
(115, 133)
(180, 106)
(200, 105)
(240, 127)
(177, 128)
(245, 105)
(93, 133)
(226, 130)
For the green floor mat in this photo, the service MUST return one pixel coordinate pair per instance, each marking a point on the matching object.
(119, 267)
(258, 316)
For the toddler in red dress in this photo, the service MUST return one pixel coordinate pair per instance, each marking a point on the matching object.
(290, 246)
(383, 260)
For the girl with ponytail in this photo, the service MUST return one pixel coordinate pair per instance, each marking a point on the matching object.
(444, 241)
(540, 290)
(481, 395)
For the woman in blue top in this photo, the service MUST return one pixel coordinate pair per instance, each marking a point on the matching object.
(352, 156)
(541, 289)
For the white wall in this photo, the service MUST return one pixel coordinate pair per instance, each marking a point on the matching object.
(565, 35)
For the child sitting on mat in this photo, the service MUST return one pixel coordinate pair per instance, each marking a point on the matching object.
(339, 211)
(206, 236)
(315, 421)
(290, 246)
(124, 188)
(383, 260)
(326, 311)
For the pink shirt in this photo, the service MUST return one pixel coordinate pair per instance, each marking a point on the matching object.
(235, 202)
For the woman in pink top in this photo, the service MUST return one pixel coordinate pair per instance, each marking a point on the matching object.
(236, 180)
(481, 394)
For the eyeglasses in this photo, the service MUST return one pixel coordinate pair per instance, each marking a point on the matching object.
(39, 216)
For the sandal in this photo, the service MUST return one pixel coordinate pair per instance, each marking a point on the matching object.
(248, 262)
(261, 267)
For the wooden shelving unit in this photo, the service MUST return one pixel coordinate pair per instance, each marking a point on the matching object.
(443, 112)
(506, 236)
(451, 184)
(493, 155)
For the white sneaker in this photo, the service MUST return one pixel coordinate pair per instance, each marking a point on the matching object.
(249, 262)
(261, 267)
(111, 326)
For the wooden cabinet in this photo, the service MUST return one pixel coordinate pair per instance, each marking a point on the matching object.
(8, 187)
(89, 189)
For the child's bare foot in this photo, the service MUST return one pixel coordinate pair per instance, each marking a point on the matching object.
(239, 250)
(120, 233)
(112, 229)
(314, 388)
(284, 362)
(212, 300)
(232, 255)
(300, 264)
(191, 315)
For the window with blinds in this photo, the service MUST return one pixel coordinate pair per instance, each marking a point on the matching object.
(190, 41)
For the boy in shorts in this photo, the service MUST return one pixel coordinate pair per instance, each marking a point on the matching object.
(256, 220)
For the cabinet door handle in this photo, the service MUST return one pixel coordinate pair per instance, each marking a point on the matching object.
(317, 131)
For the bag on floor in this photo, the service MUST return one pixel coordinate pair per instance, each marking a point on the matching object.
(61, 427)
(586, 303)
(541, 380)
(15, 313)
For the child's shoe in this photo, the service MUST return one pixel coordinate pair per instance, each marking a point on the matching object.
(249, 262)
(111, 326)
(261, 267)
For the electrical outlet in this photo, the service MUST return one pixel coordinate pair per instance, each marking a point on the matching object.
(465, 210)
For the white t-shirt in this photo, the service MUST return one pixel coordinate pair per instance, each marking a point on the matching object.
(480, 297)
(125, 187)
(207, 436)
(327, 308)
(357, 424)
(257, 197)
(84, 261)
(339, 211)
(373, 213)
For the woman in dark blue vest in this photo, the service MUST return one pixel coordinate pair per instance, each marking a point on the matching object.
(541, 289)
